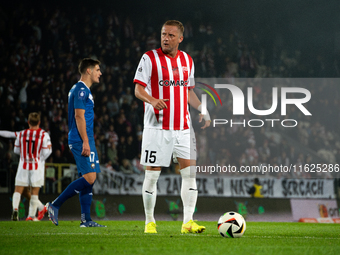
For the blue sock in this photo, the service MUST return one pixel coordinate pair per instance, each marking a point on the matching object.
(72, 189)
(85, 198)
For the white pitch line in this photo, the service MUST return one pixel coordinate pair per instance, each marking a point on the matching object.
(296, 237)
(52, 234)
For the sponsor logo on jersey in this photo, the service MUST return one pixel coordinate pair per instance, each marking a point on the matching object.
(81, 94)
(173, 83)
(140, 69)
(91, 98)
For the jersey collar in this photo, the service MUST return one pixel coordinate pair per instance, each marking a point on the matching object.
(84, 84)
(160, 50)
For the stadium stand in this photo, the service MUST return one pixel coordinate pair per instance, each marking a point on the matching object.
(41, 47)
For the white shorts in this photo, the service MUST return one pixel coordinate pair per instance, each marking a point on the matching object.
(33, 178)
(159, 145)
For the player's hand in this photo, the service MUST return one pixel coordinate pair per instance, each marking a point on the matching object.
(206, 122)
(159, 104)
(86, 149)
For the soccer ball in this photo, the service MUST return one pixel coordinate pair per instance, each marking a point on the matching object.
(231, 224)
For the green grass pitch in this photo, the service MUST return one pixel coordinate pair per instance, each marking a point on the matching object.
(127, 237)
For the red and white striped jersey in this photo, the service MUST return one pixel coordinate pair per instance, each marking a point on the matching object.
(166, 78)
(33, 147)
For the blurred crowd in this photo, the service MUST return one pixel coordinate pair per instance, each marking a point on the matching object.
(40, 49)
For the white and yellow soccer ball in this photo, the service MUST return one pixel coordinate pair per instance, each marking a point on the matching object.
(231, 224)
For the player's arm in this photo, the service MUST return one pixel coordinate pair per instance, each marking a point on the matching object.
(141, 94)
(47, 148)
(81, 126)
(196, 103)
(143, 74)
(17, 146)
(46, 152)
(7, 134)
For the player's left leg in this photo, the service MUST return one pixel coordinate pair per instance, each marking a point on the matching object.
(71, 190)
(185, 152)
(88, 171)
(37, 180)
(34, 202)
(85, 198)
(27, 193)
(188, 189)
(189, 196)
(42, 210)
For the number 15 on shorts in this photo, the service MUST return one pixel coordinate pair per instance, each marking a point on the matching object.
(150, 156)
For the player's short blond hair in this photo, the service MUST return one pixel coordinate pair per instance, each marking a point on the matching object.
(175, 23)
(34, 119)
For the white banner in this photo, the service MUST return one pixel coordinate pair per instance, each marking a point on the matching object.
(114, 183)
(314, 208)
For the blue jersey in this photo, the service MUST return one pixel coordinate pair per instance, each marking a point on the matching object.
(80, 97)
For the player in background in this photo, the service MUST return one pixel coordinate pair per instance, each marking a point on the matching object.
(34, 147)
(164, 81)
(82, 144)
(26, 192)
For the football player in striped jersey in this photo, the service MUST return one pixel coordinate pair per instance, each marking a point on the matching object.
(34, 147)
(164, 81)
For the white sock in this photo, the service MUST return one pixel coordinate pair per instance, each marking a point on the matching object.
(149, 192)
(32, 211)
(188, 193)
(16, 200)
(40, 205)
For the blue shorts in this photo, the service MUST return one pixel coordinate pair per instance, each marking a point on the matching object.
(85, 164)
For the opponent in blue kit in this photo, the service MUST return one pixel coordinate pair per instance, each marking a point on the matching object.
(82, 144)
